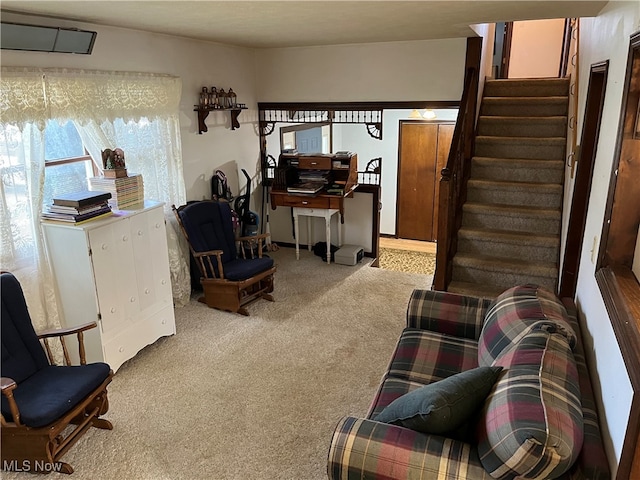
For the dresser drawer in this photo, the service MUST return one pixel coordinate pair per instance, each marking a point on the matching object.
(315, 163)
(305, 202)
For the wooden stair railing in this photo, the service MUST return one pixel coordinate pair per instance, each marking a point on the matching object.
(453, 182)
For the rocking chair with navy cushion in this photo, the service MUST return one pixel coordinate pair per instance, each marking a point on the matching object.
(41, 399)
(231, 277)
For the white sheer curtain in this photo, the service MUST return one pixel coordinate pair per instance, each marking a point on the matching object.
(22, 252)
(137, 112)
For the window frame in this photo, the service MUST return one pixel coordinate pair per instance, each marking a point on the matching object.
(618, 285)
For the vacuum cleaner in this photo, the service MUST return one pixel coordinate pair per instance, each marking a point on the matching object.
(249, 220)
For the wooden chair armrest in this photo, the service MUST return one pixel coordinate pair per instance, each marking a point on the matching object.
(7, 385)
(201, 257)
(61, 333)
(58, 332)
(253, 237)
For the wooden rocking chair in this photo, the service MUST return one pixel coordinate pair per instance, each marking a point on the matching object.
(231, 277)
(41, 399)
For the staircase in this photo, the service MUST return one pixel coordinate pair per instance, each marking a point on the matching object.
(511, 220)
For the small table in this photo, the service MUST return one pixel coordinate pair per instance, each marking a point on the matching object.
(325, 213)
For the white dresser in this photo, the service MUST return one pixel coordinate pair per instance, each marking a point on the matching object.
(114, 270)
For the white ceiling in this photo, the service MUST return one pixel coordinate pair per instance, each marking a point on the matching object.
(264, 24)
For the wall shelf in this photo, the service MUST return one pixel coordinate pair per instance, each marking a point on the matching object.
(203, 113)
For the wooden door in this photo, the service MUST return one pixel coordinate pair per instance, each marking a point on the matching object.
(422, 153)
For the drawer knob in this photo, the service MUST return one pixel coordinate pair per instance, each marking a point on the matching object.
(140, 232)
(164, 282)
(147, 291)
(314, 163)
(113, 309)
(157, 225)
(132, 299)
(121, 349)
(164, 320)
(104, 246)
(125, 238)
(305, 203)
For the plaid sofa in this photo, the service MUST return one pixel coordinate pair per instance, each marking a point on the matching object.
(539, 421)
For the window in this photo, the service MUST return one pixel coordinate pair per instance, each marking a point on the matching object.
(67, 163)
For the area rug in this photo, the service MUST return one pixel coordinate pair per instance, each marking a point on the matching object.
(407, 261)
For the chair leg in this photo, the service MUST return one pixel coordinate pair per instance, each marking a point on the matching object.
(266, 296)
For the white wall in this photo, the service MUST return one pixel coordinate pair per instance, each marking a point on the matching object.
(198, 64)
(422, 70)
(535, 48)
(605, 37)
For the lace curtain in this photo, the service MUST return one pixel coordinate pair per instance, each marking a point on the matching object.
(138, 109)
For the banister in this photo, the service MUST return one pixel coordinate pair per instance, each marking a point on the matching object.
(453, 182)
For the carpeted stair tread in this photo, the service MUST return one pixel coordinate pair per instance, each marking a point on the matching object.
(517, 170)
(526, 86)
(509, 236)
(519, 266)
(507, 185)
(512, 210)
(522, 140)
(536, 148)
(510, 126)
(474, 289)
(524, 106)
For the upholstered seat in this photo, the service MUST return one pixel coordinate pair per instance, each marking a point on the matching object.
(230, 277)
(41, 399)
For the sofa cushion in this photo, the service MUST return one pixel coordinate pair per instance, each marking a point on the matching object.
(427, 357)
(515, 313)
(442, 406)
(532, 423)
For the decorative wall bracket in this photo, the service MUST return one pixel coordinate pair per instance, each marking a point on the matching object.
(203, 113)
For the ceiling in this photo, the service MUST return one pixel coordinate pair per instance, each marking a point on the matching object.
(267, 24)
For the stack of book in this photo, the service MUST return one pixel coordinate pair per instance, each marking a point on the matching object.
(125, 191)
(79, 207)
(305, 188)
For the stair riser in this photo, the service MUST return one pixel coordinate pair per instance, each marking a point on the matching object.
(534, 253)
(507, 173)
(506, 196)
(528, 89)
(521, 129)
(501, 279)
(496, 149)
(518, 224)
(524, 110)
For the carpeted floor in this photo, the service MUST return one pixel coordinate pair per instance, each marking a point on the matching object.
(407, 261)
(236, 398)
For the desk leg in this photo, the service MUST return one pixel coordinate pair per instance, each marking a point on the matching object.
(297, 234)
(327, 222)
(339, 232)
(309, 220)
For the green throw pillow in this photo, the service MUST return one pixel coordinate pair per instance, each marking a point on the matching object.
(444, 405)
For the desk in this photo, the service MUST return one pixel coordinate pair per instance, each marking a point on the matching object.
(325, 213)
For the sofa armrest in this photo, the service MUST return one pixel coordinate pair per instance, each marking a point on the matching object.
(448, 313)
(362, 448)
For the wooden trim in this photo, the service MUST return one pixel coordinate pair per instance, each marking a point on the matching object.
(618, 285)
(506, 50)
(584, 176)
(358, 105)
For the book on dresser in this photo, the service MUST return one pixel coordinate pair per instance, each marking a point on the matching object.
(81, 198)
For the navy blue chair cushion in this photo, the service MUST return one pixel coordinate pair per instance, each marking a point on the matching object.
(209, 226)
(241, 269)
(22, 353)
(54, 390)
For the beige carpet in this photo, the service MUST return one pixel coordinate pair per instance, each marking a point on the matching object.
(250, 398)
(407, 261)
